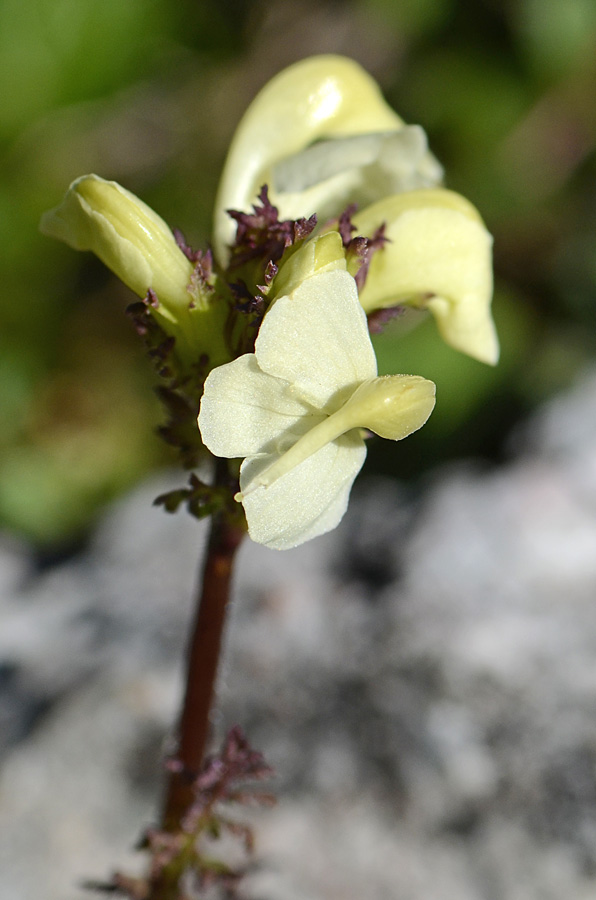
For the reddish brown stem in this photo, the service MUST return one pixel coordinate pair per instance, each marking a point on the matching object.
(203, 657)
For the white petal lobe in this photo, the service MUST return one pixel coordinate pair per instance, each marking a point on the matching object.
(244, 411)
(317, 338)
(309, 500)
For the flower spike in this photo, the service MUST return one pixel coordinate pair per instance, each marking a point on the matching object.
(337, 214)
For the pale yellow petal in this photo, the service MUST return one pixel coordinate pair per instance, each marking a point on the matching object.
(439, 256)
(393, 406)
(137, 245)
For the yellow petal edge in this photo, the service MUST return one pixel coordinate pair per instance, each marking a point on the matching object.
(439, 257)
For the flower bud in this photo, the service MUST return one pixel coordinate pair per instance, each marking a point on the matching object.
(137, 245)
(324, 253)
(132, 240)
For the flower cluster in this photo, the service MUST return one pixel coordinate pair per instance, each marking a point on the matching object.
(351, 221)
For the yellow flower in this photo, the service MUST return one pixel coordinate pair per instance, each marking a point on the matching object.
(137, 245)
(296, 406)
(320, 136)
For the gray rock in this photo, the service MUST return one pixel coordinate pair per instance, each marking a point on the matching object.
(423, 681)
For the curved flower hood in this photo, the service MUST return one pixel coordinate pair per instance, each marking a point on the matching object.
(321, 136)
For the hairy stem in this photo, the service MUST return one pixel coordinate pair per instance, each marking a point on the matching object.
(203, 658)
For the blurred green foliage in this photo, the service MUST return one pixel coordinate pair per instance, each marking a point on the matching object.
(148, 92)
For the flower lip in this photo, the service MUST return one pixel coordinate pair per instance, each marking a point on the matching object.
(398, 151)
(438, 257)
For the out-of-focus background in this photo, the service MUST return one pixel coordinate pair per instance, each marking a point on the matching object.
(148, 92)
(424, 678)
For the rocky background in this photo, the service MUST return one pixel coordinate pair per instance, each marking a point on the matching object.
(423, 680)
